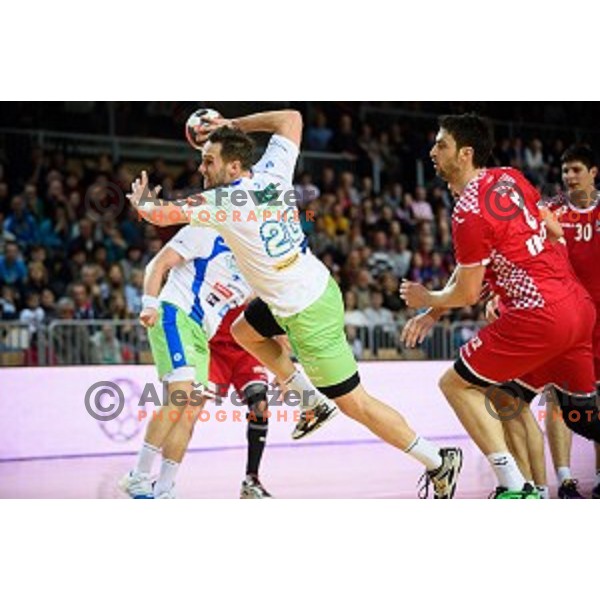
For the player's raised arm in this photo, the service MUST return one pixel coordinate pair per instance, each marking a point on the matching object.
(286, 123)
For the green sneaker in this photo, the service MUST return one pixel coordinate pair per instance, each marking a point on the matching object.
(527, 493)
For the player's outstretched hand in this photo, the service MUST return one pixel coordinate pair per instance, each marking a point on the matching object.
(415, 331)
(149, 317)
(140, 192)
(414, 294)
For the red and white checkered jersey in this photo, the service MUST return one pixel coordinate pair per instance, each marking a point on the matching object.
(496, 223)
(581, 227)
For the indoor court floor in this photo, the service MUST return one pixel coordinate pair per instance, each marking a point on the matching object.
(352, 470)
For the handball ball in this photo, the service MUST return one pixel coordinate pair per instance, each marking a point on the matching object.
(198, 118)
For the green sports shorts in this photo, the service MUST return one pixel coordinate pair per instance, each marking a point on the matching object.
(318, 337)
(178, 341)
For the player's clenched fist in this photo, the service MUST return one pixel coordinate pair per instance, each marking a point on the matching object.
(149, 317)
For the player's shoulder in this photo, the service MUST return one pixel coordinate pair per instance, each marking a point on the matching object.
(201, 240)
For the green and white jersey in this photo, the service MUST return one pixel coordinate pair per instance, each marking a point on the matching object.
(259, 221)
(209, 284)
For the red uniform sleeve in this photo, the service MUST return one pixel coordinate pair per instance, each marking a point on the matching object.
(472, 240)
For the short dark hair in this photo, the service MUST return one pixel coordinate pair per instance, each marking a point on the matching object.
(471, 130)
(235, 145)
(579, 153)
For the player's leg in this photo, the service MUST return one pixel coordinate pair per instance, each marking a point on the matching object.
(524, 436)
(231, 365)
(173, 369)
(510, 412)
(177, 442)
(318, 338)
(191, 347)
(560, 439)
(255, 396)
(255, 331)
(466, 393)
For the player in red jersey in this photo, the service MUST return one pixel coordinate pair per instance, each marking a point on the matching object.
(545, 332)
(578, 212)
(232, 366)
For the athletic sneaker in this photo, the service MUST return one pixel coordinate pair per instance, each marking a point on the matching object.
(314, 418)
(527, 493)
(596, 492)
(253, 489)
(443, 478)
(137, 486)
(568, 490)
(167, 495)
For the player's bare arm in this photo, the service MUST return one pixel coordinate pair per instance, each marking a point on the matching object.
(416, 329)
(286, 123)
(155, 274)
(152, 208)
(464, 291)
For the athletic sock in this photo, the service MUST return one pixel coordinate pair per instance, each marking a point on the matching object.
(309, 395)
(506, 470)
(426, 453)
(562, 474)
(166, 477)
(145, 458)
(257, 438)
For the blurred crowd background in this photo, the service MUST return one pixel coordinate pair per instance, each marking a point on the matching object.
(72, 250)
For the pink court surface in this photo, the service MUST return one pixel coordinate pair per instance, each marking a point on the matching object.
(326, 470)
(55, 449)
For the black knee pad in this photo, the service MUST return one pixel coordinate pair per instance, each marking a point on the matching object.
(254, 394)
(581, 414)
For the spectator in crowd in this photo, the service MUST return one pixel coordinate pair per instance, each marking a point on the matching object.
(318, 135)
(33, 315)
(12, 267)
(5, 235)
(8, 304)
(84, 307)
(105, 347)
(21, 223)
(70, 343)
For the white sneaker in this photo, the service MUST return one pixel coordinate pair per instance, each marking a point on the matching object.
(167, 495)
(137, 486)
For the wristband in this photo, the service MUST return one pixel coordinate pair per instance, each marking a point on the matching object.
(150, 302)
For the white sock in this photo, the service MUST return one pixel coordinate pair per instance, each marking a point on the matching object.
(426, 453)
(563, 473)
(166, 477)
(543, 491)
(145, 458)
(309, 395)
(598, 478)
(506, 471)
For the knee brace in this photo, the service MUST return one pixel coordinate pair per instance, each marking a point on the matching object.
(254, 395)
